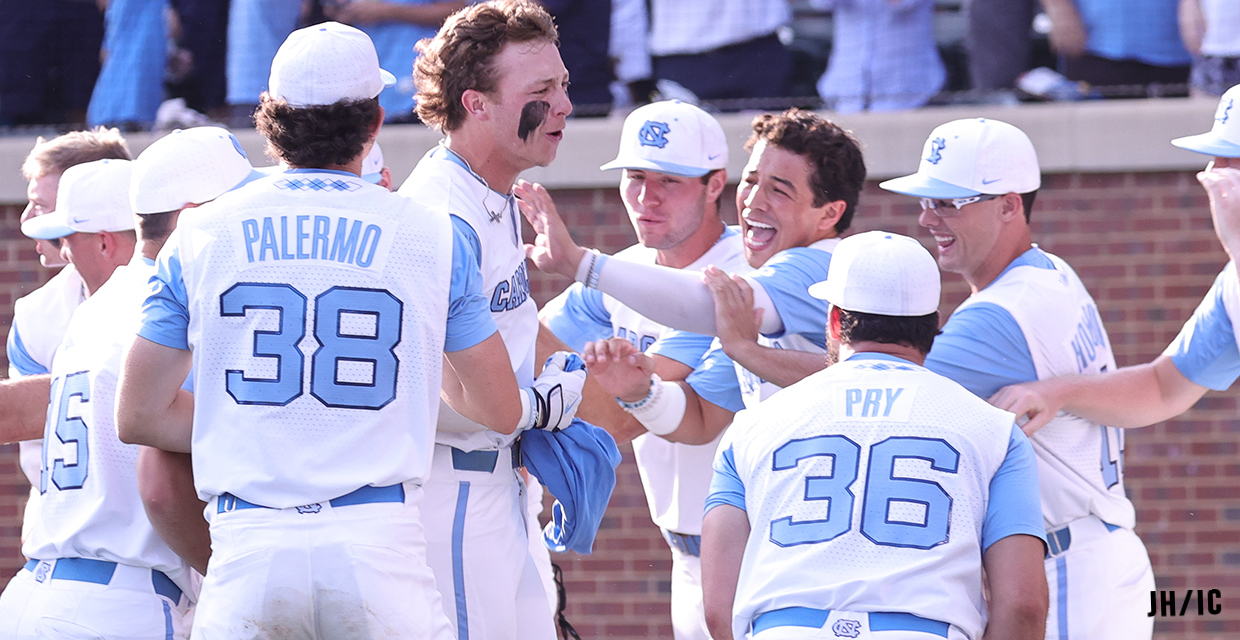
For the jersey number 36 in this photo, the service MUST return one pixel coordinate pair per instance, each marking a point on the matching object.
(924, 506)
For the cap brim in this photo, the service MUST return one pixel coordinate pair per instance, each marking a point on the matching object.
(388, 79)
(47, 226)
(372, 178)
(923, 186)
(819, 290)
(1208, 144)
(650, 165)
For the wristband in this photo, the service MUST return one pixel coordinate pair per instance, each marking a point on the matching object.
(590, 268)
(662, 409)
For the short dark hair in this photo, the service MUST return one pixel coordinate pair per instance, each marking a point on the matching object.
(839, 167)
(917, 332)
(461, 56)
(156, 227)
(1027, 200)
(317, 136)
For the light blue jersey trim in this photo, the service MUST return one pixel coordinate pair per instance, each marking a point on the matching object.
(982, 347)
(684, 347)
(19, 358)
(578, 316)
(1205, 350)
(469, 313)
(165, 314)
(1061, 579)
(1014, 506)
(786, 277)
(726, 486)
(458, 562)
(333, 171)
(715, 381)
(168, 630)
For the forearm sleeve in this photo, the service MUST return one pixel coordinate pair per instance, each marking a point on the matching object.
(671, 297)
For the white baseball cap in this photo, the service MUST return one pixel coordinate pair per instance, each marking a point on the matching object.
(92, 197)
(671, 137)
(326, 63)
(1223, 139)
(971, 157)
(372, 165)
(881, 273)
(188, 166)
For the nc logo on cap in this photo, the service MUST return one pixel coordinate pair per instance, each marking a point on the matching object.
(1224, 111)
(936, 145)
(653, 134)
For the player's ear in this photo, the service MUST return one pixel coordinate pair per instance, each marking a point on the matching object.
(830, 214)
(1013, 207)
(715, 184)
(475, 103)
(833, 323)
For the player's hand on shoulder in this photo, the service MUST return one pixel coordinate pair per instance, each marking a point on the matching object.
(556, 392)
(736, 320)
(1033, 403)
(620, 368)
(553, 250)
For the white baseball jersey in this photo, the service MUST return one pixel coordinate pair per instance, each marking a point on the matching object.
(39, 321)
(315, 306)
(676, 476)
(90, 506)
(1080, 463)
(443, 181)
(874, 485)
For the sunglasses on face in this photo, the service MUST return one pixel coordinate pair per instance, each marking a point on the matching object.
(944, 208)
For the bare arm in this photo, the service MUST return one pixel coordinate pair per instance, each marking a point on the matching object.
(1130, 397)
(482, 387)
(725, 530)
(166, 483)
(1018, 599)
(1068, 35)
(151, 407)
(23, 407)
(1192, 25)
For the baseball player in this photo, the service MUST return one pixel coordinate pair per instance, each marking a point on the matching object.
(92, 551)
(671, 192)
(493, 83)
(318, 309)
(1029, 317)
(865, 501)
(40, 317)
(789, 225)
(1203, 355)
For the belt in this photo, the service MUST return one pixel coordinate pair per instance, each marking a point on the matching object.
(879, 620)
(100, 572)
(482, 460)
(687, 544)
(1059, 540)
(366, 495)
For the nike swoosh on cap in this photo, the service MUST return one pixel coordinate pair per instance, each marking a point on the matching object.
(985, 181)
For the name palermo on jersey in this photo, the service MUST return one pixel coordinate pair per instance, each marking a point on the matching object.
(359, 241)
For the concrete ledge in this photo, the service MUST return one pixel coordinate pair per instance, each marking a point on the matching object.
(1082, 137)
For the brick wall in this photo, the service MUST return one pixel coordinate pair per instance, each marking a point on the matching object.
(1143, 245)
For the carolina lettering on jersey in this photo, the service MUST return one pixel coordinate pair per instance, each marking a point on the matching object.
(358, 240)
(513, 292)
(1088, 341)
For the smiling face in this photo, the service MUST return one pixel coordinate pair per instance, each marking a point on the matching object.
(528, 72)
(776, 204)
(41, 194)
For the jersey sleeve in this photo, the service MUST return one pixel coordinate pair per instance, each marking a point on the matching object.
(20, 359)
(165, 314)
(469, 315)
(682, 346)
(787, 278)
(983, 349)
(725, 485)
(578, 316)
(1014, 506)
(1205, 350)
(714, 380)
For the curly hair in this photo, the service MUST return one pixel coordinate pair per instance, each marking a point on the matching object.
(917, 332)
(318, 136)
(78, 147)
(834, 153)
(462, 55)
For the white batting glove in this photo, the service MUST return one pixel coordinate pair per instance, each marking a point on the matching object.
(551, 402)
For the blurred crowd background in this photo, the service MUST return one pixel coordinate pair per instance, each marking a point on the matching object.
(160, 64)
